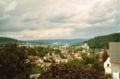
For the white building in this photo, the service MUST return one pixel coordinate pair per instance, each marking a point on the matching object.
(107, 66)
(114, 50)
(85, 46)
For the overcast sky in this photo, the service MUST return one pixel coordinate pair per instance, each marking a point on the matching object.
(46, 19)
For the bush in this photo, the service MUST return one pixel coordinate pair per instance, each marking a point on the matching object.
(36, 69)
(89, 62)
(70, 71)
(14, 62)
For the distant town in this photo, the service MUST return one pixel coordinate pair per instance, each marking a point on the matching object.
(88, 54)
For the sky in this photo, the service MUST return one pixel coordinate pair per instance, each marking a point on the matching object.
(55, 19)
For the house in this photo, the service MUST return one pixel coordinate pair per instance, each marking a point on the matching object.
(85, 46)
(107, 66)
(114, 52)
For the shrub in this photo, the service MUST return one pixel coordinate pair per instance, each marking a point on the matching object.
(14, 62)
(70, 71)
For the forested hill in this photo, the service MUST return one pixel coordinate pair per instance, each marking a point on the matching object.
(6, 40)
(103, 41)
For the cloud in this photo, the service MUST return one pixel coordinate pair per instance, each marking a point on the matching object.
(11, 6)
(45, 33)
(48, 32)
(74, 18)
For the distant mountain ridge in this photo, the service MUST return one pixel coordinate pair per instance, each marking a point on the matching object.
(60, 41)
(96, 42)
(6, 40)
(103, 41)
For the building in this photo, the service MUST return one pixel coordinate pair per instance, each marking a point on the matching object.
(85, 46)
(114, 52)
(107, 66)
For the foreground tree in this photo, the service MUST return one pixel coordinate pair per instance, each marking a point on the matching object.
(70, 71)
(14, 62)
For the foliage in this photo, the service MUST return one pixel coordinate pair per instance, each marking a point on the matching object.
(89, 62)
(105, 55)
(70, 71)
(57, 51)
(86, 68)
(32, 51)
(103, 41)
(36, 69)
(14, 62)
(42, 51)
(73, 49)
(5, 40)
(76, 61)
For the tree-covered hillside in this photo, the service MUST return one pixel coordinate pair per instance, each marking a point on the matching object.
(103, 41)
(6, 40)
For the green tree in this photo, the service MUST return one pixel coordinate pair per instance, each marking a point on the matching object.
(36, 69)
(105, 55)
(70, 71)
(14, 62)
(103, 41)
(89, 62)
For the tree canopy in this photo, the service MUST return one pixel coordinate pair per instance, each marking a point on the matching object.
(14, 62)
(103, 41)
(70, 71)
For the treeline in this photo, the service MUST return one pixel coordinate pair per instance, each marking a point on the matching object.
(42, 51)
(6, 40)
(103, 41)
